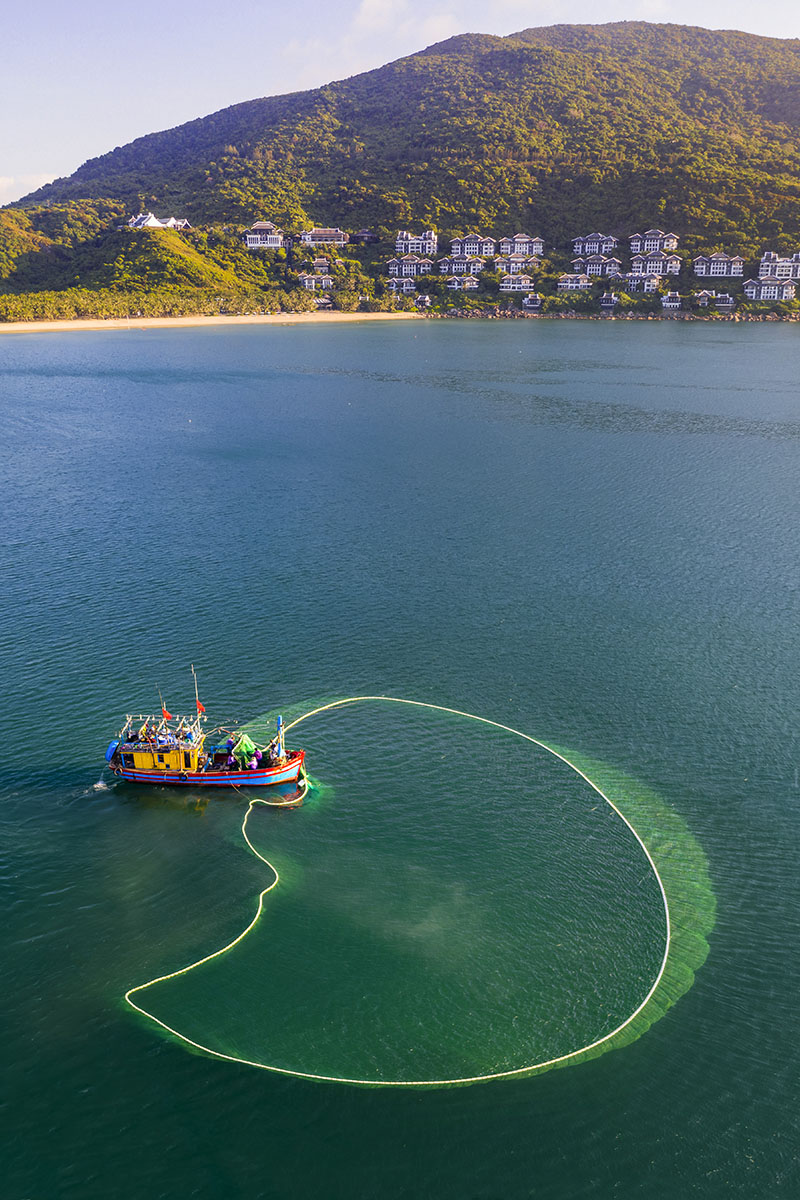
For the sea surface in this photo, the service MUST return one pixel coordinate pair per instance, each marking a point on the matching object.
(586, 531)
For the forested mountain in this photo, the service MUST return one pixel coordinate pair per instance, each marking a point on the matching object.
(557, 130)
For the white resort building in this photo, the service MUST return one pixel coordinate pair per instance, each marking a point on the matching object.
(426, 242)
(521, 243)
(148, 221)
(264, 236)
(722, 302)
(401, 287)
(516, 283)
(769, 288)
(634, 282)
(460, 264)
(719, 264)
(594, 243)
(314, 283)
(653, 239)
(656, 262)
(324, 237)
(779, 268)
(409, 265)
(473, 243)
(462, 283)
(512, 264)
(596, 264)
(574, 283)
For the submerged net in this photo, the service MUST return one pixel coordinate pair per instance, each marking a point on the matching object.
(679, 937)
(682, 866)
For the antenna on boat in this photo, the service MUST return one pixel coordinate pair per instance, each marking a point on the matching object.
(167, 715)
(200, 707)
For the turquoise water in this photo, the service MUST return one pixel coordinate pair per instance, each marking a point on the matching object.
(586, 531)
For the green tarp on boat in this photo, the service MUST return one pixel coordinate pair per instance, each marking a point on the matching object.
(244, 750)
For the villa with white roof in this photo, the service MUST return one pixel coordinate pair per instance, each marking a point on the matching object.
(473, 243)
(148, 221)
(521, 243)
(594, 243)
(461, 264)
(324, 237)
(779, 268)
(462, 283)
(403, 287)
(655, 263)
(313, 283)
(410, 265)
(719, 264)
(574, 283)
(769, 288)
(410, 243)
(640, 282)
(512, 264)
(596, 264)
(653, 239)
(264, 236)
(516, 283)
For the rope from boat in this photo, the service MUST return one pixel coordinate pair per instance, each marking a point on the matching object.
(409, 1083)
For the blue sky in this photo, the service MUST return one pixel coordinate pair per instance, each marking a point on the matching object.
(79, 79)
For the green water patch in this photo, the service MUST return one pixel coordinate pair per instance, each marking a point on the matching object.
(682, 866)
(458, 902)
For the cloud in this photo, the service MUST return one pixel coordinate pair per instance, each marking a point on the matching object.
(12, 187)
(378, 31)
(373, 32)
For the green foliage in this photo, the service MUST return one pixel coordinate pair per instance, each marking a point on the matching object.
(346, 301)
(557, 130)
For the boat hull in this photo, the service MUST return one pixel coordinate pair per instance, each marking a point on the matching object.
(258, 777)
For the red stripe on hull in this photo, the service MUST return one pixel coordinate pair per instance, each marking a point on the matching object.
(270, 776)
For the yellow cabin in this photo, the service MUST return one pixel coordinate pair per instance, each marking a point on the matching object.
(163, 758)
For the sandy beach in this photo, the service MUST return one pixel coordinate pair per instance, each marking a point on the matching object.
(330, 318)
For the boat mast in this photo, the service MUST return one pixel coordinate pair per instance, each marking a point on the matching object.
(199, 706)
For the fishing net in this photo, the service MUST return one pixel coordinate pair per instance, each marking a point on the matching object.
(461, 902)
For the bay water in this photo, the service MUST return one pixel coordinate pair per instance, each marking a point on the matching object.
(584, 530)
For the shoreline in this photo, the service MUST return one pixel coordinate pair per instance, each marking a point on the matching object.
(93, 324)
(86, 324)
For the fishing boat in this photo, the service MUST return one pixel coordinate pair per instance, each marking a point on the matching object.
(177, 750)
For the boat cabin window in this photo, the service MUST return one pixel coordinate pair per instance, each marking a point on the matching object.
(187, 758)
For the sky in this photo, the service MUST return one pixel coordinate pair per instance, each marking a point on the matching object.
(79, 79)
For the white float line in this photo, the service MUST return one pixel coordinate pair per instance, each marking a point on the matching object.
(541, 1066)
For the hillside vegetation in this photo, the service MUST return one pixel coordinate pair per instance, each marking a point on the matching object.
(558, 130)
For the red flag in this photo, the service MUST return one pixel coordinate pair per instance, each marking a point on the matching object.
(200, 707)
(168, 715)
